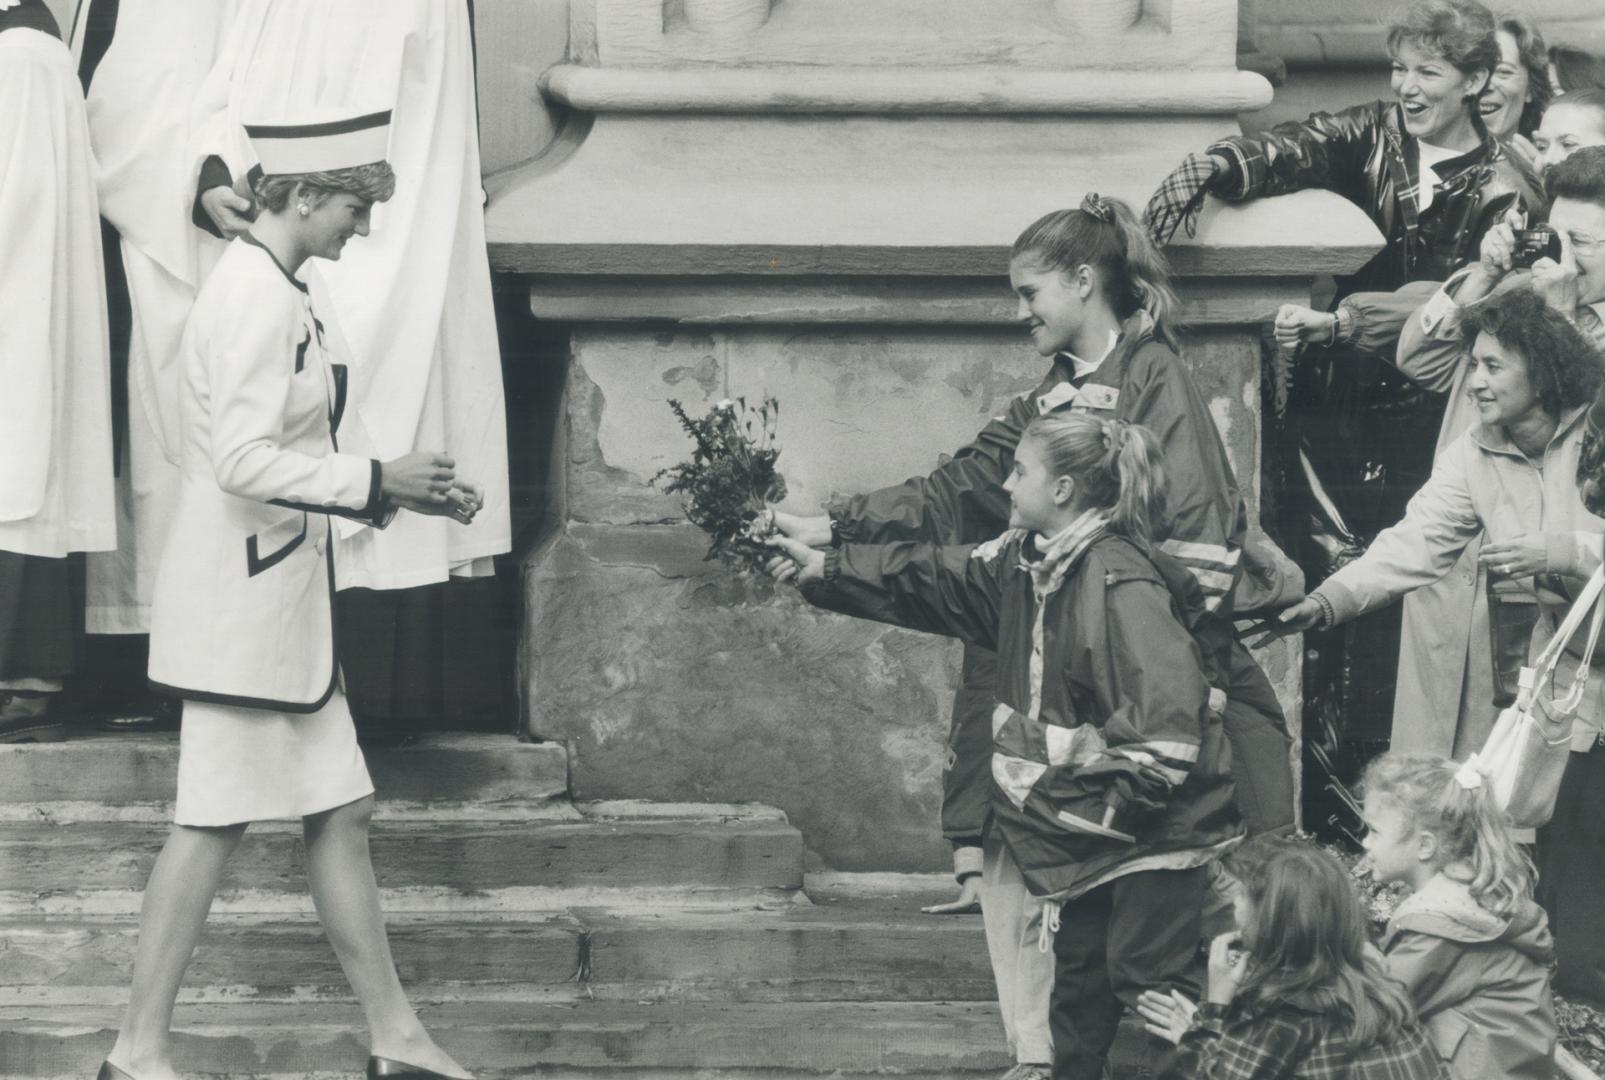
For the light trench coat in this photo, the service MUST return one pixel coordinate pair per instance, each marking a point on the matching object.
(1483, 485)
(242, 611)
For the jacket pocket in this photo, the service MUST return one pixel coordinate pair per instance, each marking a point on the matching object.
(271, 546)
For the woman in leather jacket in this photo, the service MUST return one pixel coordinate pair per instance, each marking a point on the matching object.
(1357, 437)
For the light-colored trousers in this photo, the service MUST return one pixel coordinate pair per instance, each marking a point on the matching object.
(1023, 973)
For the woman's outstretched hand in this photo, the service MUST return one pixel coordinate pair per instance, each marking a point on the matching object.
(797, 562)
(1306, 615)
(812, 531)
(1297, 325)
(1166, 1015)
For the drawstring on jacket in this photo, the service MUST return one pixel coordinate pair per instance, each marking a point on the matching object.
(1048, 926)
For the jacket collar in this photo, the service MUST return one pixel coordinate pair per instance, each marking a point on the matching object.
(1049, 560)
(1445, 908)
(1492, 437)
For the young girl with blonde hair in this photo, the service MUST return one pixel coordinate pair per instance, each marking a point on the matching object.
(1469, 943)
(1112, 782)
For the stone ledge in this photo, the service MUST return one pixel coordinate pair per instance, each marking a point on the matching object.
(997, 91)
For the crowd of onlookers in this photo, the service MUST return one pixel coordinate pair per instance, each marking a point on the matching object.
(1113, 741)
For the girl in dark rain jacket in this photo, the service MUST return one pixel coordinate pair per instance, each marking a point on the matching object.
(1113, 787)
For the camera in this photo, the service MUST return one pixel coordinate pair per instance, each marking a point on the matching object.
(1535, 244)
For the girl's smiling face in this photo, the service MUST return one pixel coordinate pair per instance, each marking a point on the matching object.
(1053, 303)
(1035, 495)
(1566, 128)
(1432, 92)
(1509, 89)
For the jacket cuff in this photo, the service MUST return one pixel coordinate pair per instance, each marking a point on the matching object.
(966, 862)
(1348, 324)
(1563, 552)
(1211, 1016)
(214, 173)
(842, 529)
(1338, 604)
(1234, 184)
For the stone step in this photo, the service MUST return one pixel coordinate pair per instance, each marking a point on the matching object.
(100, 866)
(498, 1038)
(854, 951)
(118, 770)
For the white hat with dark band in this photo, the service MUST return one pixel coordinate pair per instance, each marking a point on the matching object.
(341, 141)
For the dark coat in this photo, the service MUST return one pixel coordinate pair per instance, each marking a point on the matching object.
(1364, 154)
(1108, 754)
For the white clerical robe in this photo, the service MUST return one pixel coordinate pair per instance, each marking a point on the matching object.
(408, 308)
(140, 105)
(55, 394)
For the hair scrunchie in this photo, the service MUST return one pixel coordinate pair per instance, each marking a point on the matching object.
(1095, 204)
(1114, 435)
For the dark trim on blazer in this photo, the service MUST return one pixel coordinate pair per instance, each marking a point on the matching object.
(247, 702)
(256, 564)
(254, 242)
(301, 353)
(342, 383)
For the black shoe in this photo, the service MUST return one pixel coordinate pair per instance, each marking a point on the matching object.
(161, 715)
(385, 1069)
(108, 1071)
(27, 717)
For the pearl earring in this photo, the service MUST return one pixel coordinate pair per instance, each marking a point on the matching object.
(304, 209)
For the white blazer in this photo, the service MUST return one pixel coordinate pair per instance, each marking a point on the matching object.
(243, 606)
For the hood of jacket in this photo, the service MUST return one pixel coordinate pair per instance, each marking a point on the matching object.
(1445, 908)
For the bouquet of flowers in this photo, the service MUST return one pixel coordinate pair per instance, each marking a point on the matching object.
(731, 478)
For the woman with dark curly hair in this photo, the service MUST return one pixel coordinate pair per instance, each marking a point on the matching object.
(1511, 476)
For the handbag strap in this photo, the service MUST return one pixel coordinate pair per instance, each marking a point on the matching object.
(1544, 666)
(1574, 696)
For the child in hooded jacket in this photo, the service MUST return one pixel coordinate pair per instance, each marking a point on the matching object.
(1469, 943)
(1112, 778)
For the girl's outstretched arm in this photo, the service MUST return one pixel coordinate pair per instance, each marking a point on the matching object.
(955, 591)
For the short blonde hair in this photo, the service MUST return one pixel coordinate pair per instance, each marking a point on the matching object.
(375, 182)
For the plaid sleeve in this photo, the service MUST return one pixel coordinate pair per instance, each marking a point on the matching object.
(1250, 1048)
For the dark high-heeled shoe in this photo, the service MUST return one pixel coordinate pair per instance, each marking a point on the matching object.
(108, 1071)
(380, 1068)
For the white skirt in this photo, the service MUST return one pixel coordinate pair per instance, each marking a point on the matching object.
(237, 765)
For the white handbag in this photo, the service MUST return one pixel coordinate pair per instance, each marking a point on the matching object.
(1525, 755)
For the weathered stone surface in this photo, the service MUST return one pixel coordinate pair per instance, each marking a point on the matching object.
(669, 678)
(862, 951)
(118, 769)
(467, 856)
(849, 398)
(915, 1041)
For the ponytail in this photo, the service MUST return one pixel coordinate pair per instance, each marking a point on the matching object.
(1105, 234)
(1453, 802)
(1117, 466)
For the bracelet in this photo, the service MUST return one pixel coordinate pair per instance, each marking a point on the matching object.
(1328, 613)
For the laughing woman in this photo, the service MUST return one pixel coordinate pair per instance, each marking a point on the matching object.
(241, 621)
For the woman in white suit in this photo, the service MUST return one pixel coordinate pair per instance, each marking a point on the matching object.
(241, 615)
